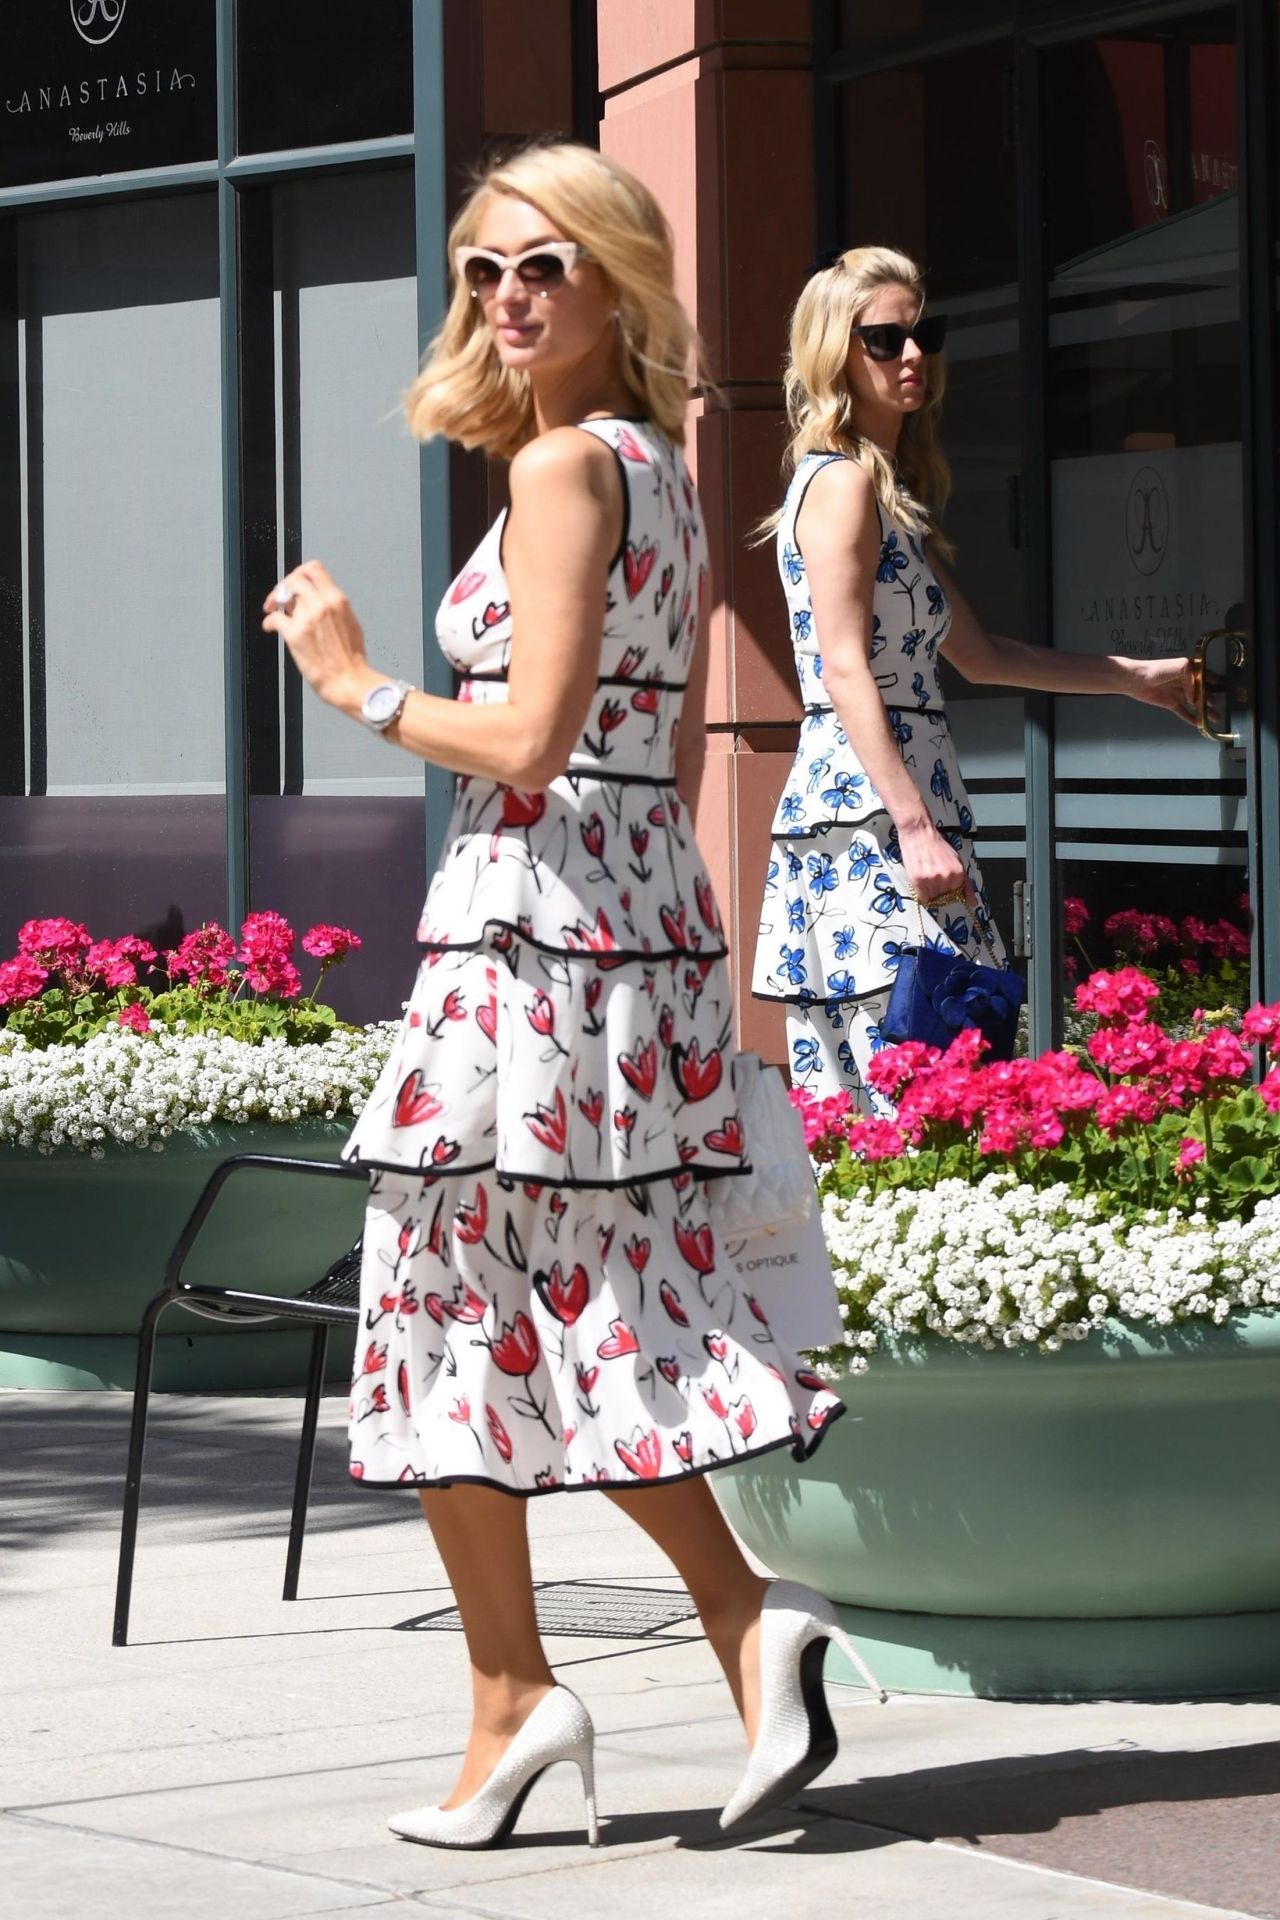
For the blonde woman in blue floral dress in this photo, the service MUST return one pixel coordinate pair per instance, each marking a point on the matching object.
(546, 1305)
(872, 842)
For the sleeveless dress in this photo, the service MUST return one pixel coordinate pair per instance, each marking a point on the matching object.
(838, 909)
(544, 1299)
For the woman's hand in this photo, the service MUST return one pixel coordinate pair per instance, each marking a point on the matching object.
(1163, 683)
(933, 866)
(321, 632)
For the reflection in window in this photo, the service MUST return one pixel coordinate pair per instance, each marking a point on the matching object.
(309, 72)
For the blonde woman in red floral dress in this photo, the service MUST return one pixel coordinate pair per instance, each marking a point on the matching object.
(545, 1305)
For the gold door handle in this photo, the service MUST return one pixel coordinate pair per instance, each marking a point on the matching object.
(1200, 688)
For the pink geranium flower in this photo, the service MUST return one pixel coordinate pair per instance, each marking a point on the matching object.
(1123, 995)
(330, 943)
(54, 943)
(116, 962)
(203, 957)
(21, 979)
(134, 1017)
(1075, 916)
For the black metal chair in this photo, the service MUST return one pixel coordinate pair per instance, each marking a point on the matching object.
(333, 1301)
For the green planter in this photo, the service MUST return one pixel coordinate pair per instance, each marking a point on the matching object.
(1098, 1523)
(83, 1244)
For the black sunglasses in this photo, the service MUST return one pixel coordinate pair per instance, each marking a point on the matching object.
(885, 340)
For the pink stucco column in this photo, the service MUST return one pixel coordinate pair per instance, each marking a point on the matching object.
(709, 101)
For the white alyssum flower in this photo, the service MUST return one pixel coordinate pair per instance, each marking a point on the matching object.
(138, 1089)
(999, 1264)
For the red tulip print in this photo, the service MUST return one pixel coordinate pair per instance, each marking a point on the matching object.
(487, 1019)
(470, 1310)
(644, 1455)
(713, 1399)
(592, 1108)
(460, 1411)
(727, 1137)
(639, 841)
(716, 1345)
(671, 1301)
(675, 925)
(683, 1445)
(637, 1252)
(706, 905)
(566, 1298)
(375, 1358)
(498, 1433)
(415, 1102)
(744, 1417)
(454, 1007)
(697, 1078)
(587, 1377)
(356, 1469)
(542, 1014)
(493, 616)
(592, 831)
(640, 1069)
(466, 584)
(666, 1027)
(522, 809)
(516, 1350)
(550, 1125)
(631, 659)
(402, 1385)
(646, 699)
(698, 1246)
(670, 1369)
(637, 564)
(630, 449)
(757, 1310)
(621, 1340)
(444, 1151)
(471, 1221)
(596, 937)
(805, 1377)
(435, 1307)
(611, 716)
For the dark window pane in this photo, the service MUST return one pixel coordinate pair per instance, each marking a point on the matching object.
(310, 72)
(105, 86)
(864, 22)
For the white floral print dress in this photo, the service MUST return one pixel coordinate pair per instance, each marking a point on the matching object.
(544, 1300)
(838, 909)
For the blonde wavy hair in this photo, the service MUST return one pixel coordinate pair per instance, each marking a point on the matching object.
(914, 486)
(464, 392)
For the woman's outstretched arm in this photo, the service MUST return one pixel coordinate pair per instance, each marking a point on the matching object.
(992, 659)
(838, 533)
(564, 527)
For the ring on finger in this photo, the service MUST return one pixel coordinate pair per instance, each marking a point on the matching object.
(284, 598)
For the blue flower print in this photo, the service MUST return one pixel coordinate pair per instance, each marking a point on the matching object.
(957, 930)
(879, 638)
(877, 1039)
(911, 640)
(832, 1010)
(818, 771)
(795, 916)
(841, 985)
(862, 857)
(936, 598)
(887, 899)
(823, 877)
(792, 808)
(953, 839)
(804, 1058)
(894, 952)
(801, 624)
(846, 943)
(893, 561)
(817, 720)
(844, 1058)
(817, 666)
(941, 781)
(793, 864)
(792, 967)
(793, 565)
(901, 731)
(917, 687)
(966, 820)
(843, 792)
(893, 847)
(771, 880)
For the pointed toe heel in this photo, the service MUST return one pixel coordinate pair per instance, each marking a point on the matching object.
(559, 1728)
(797, 1736)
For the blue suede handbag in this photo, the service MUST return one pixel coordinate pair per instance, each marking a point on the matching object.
(936, 995)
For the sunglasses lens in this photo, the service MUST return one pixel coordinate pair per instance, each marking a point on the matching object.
(884, 342)
(542, 272)
(930, 334)
(481, 275)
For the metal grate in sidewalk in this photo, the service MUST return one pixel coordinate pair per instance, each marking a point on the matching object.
(586, 1610)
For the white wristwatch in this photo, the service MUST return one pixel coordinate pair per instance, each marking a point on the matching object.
(384, 704)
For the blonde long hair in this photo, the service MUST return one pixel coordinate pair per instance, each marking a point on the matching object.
(463, 390)
(914, 488)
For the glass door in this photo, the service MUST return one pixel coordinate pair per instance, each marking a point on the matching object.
(1141, 158)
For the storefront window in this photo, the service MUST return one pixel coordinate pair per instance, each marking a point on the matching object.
(105, 86)
(863, 22)
(902, 188)
(336, 821)
(311, 72)
(113, 485)
(1147, 497)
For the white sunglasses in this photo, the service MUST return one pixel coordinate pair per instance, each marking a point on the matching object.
(542, 270)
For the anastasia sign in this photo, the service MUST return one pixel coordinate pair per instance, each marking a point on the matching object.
(104, 86)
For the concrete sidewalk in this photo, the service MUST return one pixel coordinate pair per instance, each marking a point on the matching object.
(240, 1757)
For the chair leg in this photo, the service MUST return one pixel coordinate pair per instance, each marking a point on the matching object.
(133, 1473)
(306, 1458)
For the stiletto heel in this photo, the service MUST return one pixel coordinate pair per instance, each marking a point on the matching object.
(559, 1728)
(797, 1737)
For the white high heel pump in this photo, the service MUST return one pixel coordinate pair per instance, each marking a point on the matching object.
(797, 1739)
(559, 1728)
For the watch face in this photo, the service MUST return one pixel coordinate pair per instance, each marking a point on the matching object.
(380, 704)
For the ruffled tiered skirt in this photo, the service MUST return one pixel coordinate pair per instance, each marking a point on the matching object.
(545, 1302)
